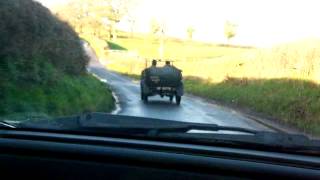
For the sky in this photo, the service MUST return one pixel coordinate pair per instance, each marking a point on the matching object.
(259, 22)
(52, 3)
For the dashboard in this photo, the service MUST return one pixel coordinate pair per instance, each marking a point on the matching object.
(66, 156)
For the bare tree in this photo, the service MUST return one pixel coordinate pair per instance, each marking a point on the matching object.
(78, 14)
(190, 31)
(229, 30)
(132, 22)
(157, 32)
(154, 26)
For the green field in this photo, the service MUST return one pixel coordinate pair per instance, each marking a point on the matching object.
(176, 49)
(193, 58)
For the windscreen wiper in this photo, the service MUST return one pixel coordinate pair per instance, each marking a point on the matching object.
(120, 125)
(265, 139)
(148, 126)
(239, 136)
(175, 129)
(198, 127)
(4, 124)
(255, 139)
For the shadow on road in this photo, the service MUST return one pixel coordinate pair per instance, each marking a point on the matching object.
(161, 103)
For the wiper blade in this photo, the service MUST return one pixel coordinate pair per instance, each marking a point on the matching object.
(106, 124)
(4, 124)
(199, 127)
(153, 127)
(262, 139)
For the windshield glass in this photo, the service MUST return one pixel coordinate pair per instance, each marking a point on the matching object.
(224, 67)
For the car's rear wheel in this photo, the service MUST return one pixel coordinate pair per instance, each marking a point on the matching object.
(145, 98)
(178, 100)
(171, 98)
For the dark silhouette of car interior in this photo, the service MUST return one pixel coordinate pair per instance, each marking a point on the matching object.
(65, 154)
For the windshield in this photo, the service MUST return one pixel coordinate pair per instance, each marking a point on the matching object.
(226, 67)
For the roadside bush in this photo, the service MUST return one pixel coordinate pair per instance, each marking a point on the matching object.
(43, 65)
(31, 37)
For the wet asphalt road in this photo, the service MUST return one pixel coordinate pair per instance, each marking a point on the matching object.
(192, 109)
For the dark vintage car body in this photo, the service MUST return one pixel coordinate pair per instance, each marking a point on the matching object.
(163, 81)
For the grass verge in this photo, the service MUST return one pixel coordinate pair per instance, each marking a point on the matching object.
(294, 102)
(68, 96)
